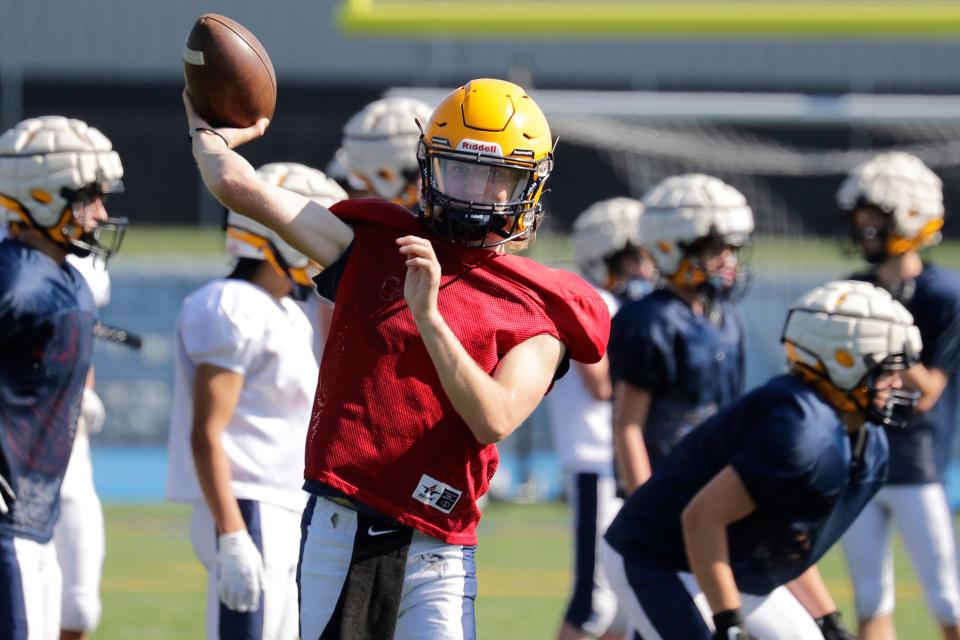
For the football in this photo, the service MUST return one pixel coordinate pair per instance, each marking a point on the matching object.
(229, 75)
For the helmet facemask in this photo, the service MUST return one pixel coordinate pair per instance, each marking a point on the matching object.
(104, 239)
(899, 404)
(726, 282)
(475, 200)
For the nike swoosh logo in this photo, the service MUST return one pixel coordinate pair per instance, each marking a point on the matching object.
(379, 532)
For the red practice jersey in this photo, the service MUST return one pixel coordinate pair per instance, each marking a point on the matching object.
(383, 431)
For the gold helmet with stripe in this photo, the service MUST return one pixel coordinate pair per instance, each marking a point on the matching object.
(485, 155)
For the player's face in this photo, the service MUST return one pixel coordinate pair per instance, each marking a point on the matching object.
(870, 229)
(885, 383)
(89, 212)
(719, 260)
(474, 182)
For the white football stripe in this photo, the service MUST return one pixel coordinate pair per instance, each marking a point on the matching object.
(191, 56)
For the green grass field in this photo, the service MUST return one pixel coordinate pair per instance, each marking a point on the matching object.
(767, 252)
(154, 588)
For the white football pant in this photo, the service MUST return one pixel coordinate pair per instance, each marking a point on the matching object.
(439, 584)
(79, 541)
(923, 518)
(658, 614)
(279, 542)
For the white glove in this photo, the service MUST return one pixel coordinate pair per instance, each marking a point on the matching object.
(92, 412)
(239, 572)
(7, 496)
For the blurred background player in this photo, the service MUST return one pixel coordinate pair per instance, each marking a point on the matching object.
(245, 377)
(895, 207)
(78, 535)
(419, 380)
(677, 355)
(380, 150)
(54, 175)
(753, 497)
(607, 252)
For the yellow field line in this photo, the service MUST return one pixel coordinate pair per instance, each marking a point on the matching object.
(484, 19)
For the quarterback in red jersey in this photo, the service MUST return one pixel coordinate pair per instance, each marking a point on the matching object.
(441, 344)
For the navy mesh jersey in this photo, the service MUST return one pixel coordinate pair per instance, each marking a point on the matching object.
(47, 316)
(920, 452)
(690, 364)
(795, 459)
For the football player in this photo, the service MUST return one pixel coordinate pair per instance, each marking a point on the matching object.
(442, 343)
(895, 207)
(607, 252)
(380, 150)
(677, 355)
(54, 175)
(78, 535)
(754, 496)
(243, 388)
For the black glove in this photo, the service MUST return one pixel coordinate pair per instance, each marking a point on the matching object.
(729, 626)
(831, 626)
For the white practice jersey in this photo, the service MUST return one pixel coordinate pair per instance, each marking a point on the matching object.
(238, 326)
(582, 427)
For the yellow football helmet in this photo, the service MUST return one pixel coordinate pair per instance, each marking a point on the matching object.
(484, 157)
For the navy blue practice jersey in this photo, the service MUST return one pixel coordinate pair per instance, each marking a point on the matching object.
(690, 364)
(795, 459)
(919, 453)
(46, 338)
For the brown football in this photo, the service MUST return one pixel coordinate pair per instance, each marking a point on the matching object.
(229, 75)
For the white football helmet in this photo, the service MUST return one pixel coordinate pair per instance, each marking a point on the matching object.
(50, 165)
(680, 213)
(247, 238)
(603, 229)
(902, 186)
(843, 334)
(380, 147)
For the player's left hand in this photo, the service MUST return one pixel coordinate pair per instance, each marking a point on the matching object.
(422, 282)
(831, 626)
(729, 626)
(239, 571)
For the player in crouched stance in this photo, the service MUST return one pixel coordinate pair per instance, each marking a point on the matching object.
(754, 496)
(441, 345)
(245, 375)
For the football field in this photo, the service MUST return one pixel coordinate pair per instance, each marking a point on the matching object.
(153, 587)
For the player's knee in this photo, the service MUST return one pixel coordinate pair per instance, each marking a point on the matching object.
(873, 600)
(80, 612)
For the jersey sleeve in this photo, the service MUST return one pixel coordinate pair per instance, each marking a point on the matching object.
(220, 332)
(784, 470)
(640, 352)
(941, 347)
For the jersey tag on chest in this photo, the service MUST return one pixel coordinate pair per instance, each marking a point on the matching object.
(436, 494)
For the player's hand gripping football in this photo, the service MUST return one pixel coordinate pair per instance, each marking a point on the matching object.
(196, 125)
(423, 276)
(239, 571)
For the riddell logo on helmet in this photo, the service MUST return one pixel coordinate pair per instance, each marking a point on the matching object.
(480, 147)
